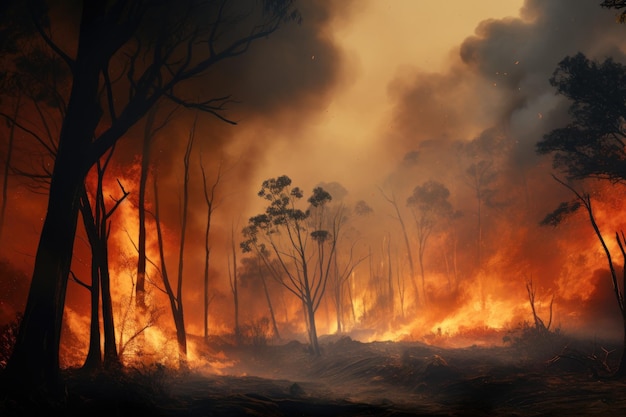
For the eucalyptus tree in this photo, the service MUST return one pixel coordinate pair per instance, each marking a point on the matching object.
(304, 242)
(429, 204)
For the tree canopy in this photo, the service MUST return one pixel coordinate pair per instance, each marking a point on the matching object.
(593, 143)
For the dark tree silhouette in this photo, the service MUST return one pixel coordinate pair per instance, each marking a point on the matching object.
(96, 218)
(617, 5)
(303, 241)
(209, 198)
(176, 297)
(158, 45)
(591, 146)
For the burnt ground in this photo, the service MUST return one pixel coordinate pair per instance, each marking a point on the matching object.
(356, 379)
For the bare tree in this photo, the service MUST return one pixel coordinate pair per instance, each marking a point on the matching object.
(150, 130)
(209, 198)
(97, 224)
(392, 200)
(176, 299)
(158, 45)
(540, 325)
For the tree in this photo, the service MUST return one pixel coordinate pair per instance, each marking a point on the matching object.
(176, 298)
(591, 146)
(303, 241)
(481, 177)
(392, 200)
(151, 128)
(209, 198)
(253, 273)
(429, 203)
(157, 46)
(233, 279)
(618, 5)
(97, 224)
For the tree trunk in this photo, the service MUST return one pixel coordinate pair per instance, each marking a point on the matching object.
(35, 359)
(175, 303)
(94, 354)
(407, 243)
(111, 359)
(390, 297)
(7, 167)
(140, 289)
(234, 287)
(315, 347)
(209, 198)
(269, 301)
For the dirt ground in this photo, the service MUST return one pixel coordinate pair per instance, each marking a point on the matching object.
(356, 379)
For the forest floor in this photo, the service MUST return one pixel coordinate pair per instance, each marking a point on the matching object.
(356, 379)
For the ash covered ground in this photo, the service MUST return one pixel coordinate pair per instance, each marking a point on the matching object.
(555, 377)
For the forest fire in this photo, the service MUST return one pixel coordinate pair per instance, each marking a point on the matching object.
(202, 212)
(481, 309)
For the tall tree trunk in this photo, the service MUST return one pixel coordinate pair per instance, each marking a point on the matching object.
(94, 353)
(269, 300)
(111, 359)
(140, 289)
(315, 346)
(35, 358)
(337, 297)
(205, 282)
(209, 198)
(7, 168)
(234, 287)
(390, 297)
(180, 322)
(407, 243)
(177, 316)
(352, 307)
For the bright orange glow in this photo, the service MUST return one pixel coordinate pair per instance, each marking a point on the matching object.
(391, 94)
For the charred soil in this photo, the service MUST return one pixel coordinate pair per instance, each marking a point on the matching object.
(351, 378)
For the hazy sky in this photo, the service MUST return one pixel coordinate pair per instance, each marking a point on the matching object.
(381, 40)
(350, 92)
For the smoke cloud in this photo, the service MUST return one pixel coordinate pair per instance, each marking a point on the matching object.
(308, 105)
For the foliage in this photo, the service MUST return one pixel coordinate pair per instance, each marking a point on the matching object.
(431, 200)
(592, 145)
(559, 214)
(284, 231)
(617, 5)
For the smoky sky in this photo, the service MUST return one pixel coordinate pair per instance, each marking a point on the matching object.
(491, 102)
(501, 75)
